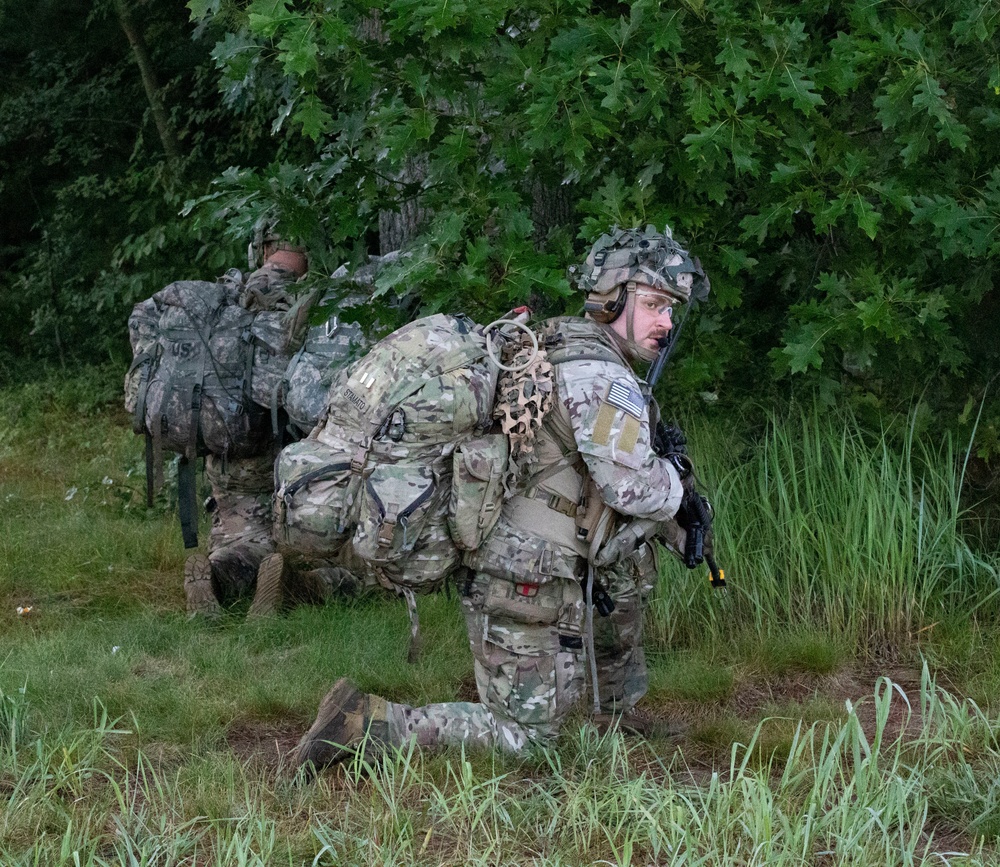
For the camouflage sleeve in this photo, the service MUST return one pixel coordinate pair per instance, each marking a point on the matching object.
(610, 422)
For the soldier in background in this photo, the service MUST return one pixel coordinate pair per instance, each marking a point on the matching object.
(242, 488)
(529, 601)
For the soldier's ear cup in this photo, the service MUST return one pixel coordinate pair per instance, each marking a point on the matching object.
(606, 310)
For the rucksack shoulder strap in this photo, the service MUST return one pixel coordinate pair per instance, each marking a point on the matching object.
(570, 338)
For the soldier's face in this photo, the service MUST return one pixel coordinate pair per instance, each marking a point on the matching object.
(651, 318)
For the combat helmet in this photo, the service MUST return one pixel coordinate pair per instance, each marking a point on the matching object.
(622, 259)
(265, 233)
(630, 256)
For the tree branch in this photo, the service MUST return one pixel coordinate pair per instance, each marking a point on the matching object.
(168, 138)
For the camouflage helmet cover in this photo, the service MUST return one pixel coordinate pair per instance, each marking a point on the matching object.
(624, 256)
(265, 232)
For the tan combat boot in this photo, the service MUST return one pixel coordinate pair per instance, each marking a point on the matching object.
(270, 593)
(348, 721)
(201, 599)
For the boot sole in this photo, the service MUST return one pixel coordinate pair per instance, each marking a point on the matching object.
(269, 595)
(200, 596)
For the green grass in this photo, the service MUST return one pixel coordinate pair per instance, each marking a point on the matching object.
(827, 789)
(129, 735)
(690, 677)
(825, 528)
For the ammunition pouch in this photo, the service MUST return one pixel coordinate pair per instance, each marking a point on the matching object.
(477, 490)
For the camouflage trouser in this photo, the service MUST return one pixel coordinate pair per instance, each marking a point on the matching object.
(622, 678)
(319, 579)
(241, 521)
(530, 675)
(527, 677)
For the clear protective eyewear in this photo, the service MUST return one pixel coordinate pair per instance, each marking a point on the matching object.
(662, 304)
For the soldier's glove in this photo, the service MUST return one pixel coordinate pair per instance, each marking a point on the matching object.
(695, 516)
(670, 444)
(694, 508)
(669, 440)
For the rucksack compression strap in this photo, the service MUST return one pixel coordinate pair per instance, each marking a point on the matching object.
(187, 505)
(150, 471)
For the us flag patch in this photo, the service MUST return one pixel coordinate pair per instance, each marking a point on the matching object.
(624, 396)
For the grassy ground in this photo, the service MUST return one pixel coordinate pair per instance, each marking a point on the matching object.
(838, 703)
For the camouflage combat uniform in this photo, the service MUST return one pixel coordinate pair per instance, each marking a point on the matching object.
(525, 609)
(242, 488)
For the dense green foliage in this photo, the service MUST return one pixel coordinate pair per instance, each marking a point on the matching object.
(90, 192)
(833, 163)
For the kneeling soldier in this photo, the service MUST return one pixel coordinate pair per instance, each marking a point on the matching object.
(530, 599)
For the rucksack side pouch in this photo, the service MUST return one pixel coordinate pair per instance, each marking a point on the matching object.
(270, 360)
(146, 352)
(315, 500)
(433, 559)
(327, 350)
(396, 500)
(520, 554)
(477, 490)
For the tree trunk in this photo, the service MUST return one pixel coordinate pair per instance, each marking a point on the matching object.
(397, 228)
(168, 137)
(552, 207)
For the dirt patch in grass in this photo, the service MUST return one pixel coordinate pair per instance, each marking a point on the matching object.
(756, 698)
(265, 744)
(815, 696)
(674, 723)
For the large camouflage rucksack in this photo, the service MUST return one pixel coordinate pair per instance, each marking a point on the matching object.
(189, 385)
(306, 380)
(321, 351)
(406, 445)
(211, 373)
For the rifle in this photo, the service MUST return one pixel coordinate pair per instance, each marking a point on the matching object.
(699, 523)
(669, 442)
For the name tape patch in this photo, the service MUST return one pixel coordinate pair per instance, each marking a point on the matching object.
(356, 399)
